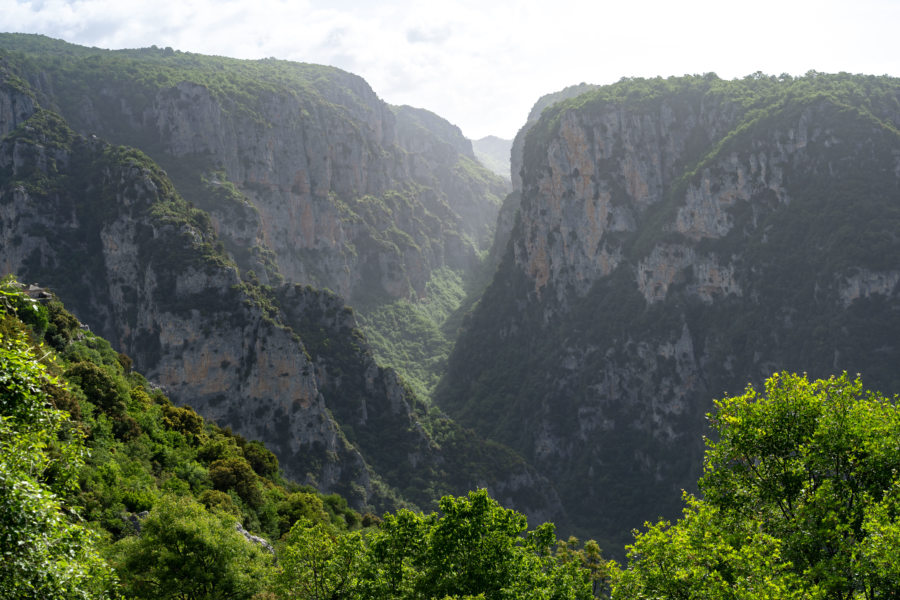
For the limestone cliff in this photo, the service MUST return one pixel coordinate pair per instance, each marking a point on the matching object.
(545, 101)
(678, 239)
(307, 176)
(506, 217)
(104, 228)
(340, 190)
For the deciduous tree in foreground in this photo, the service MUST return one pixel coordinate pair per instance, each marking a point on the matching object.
(473, 548)
(801, 497)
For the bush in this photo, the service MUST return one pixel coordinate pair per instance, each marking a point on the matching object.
(184, 420)
(261, 459)
(184, 551)
(236, 474)
(98, 386)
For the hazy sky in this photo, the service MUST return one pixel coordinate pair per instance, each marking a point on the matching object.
(482, 63)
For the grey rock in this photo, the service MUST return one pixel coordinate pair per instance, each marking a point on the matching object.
(254, 539)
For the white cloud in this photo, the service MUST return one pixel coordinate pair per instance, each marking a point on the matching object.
(483, 64)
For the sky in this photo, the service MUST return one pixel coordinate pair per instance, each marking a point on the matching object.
(482, 64)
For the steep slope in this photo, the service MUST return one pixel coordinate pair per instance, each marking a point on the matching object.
(340, 190)
(493, 152)
(515, 155)
(140, 447)
(677, 239)
(307, 176)
(104, 228)
(545, 101)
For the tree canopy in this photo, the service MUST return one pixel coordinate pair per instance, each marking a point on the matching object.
(473, 548)
(45, 551)
(800, 500)
(185, 552)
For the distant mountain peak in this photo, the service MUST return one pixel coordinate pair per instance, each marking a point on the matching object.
(493, 152)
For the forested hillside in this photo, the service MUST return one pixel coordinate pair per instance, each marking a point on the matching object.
(108, 490)
(678, 238)
(306, 176)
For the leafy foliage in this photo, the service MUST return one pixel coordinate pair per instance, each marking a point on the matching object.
(44, 550)
(318, 564)
(74, 481)
(473, 548)
(799, 501)
(186, 552)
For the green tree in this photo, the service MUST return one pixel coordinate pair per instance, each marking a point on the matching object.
(297, 506)
(473, 548)
(185, 420)
(235, 473)
(800, 500)
(184, 552)
(44, 551)
(589, 558)
(706, 555)
(395, 553)
(878, 553)
(99, 387)
(261, 459)
(317, 563)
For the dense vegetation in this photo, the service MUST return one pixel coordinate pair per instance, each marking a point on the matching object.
(107, 488)
(243, 85)
(416, 337)
(93, 439)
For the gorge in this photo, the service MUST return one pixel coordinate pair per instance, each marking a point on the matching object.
(267, 239)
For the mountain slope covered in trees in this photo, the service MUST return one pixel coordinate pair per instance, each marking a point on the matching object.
(107, 490)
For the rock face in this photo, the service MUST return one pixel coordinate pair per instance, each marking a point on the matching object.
(518, 146)
(16, 104)
(332, 187)
(515, 156)
(306, 175)
(104, 227)
(677, 240)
